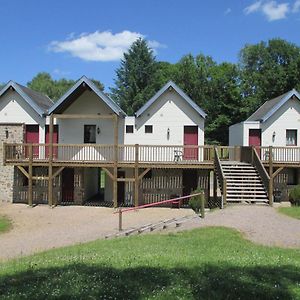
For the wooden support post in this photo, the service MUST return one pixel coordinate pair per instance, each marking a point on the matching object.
(120, 219)
(30, 191)
(50, 167)
(115, 180)
(136, 176)
(271, 181)
(202, 205)
(215, 186)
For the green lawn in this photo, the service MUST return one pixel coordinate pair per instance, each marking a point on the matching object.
(210, 263)
(293, 211)
(5, 224)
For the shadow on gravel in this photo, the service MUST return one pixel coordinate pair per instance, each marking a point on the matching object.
(80, 281)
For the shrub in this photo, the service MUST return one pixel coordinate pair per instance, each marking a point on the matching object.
(195, 201)
(294, 196)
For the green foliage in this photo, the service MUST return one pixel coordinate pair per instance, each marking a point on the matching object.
(5, 224)
(293, 211)
(135, 77)
(208, 263)
(195, 201)
(294, 195)
(54, 89)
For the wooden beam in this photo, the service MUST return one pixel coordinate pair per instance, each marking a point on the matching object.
(40, 177)
(136, 176)
(144, 173)
(30, 190)
(126, 179)
(77, 116)
(23, 171)
(116, 152)
(50, 166)
(57, 172)
(108, 173)
(277, 172)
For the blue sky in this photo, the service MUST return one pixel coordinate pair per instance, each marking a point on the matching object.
(74, 38)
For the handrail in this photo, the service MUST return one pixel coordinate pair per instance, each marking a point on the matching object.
(221, 176)
(257, 163)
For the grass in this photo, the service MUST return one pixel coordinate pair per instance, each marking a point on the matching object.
(209, 263)
(293, 211)
(5, 224)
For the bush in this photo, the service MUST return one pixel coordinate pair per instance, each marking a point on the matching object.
(195, 201)
(294, 196)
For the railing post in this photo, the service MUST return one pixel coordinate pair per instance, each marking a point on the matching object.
(120, 219)
(225, 191)
(136, 175)
(30, 190)
(202, 207)
(271, 182)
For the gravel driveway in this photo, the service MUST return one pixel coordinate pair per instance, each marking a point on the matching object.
(41, 228)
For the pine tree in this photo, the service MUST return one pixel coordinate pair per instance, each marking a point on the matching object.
(135, 77)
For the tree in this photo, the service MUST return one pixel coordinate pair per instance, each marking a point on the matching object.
(268, 70)
(135, 77)
(54, 89)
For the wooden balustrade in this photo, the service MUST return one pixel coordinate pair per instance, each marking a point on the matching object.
(171, 154)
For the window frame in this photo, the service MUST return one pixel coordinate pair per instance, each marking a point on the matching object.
(84, 133)
(129, 126)
(148, 126)
(295, 131)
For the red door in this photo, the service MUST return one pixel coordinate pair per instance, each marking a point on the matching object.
(255, 139)
(190, 138)
(32, 137)
(54, 139)
(68, 185)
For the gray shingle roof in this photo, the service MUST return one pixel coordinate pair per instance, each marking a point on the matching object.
(41, 100)
(39, 103)
(271, 106)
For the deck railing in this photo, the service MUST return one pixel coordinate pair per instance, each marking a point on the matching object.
(106, 153)
(176, 154)
(220, 175)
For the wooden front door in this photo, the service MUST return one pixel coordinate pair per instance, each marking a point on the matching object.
(54, 139)
(255, 139)
(68, 185)
(190, 139)
(121, 188)
(32, 137)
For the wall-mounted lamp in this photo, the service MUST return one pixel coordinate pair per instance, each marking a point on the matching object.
(98, 130)
(273, 136)
(168, 133)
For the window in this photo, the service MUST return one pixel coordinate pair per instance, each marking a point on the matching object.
(90, 134)
(129, 128)
(148, 128)
(291, 137)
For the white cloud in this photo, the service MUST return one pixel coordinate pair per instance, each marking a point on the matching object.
(252, 8)
(271, 9)
(227, 11)
(99, 46)
(296, 6)
(275, 11)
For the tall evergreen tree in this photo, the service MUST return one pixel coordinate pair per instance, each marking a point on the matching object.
(135, 77)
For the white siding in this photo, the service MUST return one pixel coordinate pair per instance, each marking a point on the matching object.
(169, 111)
(72, 131)
(287, 117)
(14, 109)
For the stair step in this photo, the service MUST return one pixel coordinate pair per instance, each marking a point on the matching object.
(246, 192)
(248, 200)
(245, 189)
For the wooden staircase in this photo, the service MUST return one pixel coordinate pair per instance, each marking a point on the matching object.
(243, 182)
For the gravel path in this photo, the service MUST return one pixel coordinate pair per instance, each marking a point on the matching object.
(41, 228)
(261, 224)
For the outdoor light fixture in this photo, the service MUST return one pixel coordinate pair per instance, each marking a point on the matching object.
(273, 136)
(168, 133)
(98, 130)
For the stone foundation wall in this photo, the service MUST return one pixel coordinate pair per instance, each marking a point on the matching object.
(9, 133)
